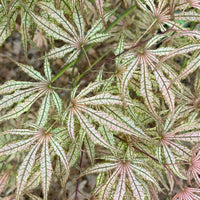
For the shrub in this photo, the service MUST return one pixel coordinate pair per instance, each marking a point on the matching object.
(136, 117)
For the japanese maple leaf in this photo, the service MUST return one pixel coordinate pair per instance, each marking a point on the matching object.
(122, 170)
(85, 108)
(24, 94)
(194, 169)
(172, 140)
(39, 138)
(187, 194)
(75, 40)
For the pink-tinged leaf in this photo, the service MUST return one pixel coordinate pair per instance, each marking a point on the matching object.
(193, 65)
(11, 86)
(60, 152)
(90, 130)
(58, 15)
(33, 181)
(12, 148)
(21, 107)
(25, 169)
(189, 137)
(110, 122)
(70, 124)
(151, 5)
(187, 194)
(18, 96)
(128, 74)
(188, 33)
(100, 168)
(120, 189)
(91, 87)
(108, 185)
(171, 161)
(186, 49)
(194, 169)
(164, 84)
(101, 99)
(136, 186)
(146, 89)
(144, 173)
(3, 181)
(51, 29)
(180, 149)
(99, 4)
(79, 21)
(46, 169)
(20, 132)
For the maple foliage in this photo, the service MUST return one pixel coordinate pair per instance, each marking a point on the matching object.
(137, 120)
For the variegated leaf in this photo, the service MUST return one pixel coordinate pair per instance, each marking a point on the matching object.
(90, 130)
(193, 65)
(144, 173)
(3, 181)
(70, 125)
(43, 112)
(109, 183)
(185, 49)
(22, 107)
(100, 168)
(146, 89)
(128, 74)
(90, 149)
(25, 169)
(31, 72)
(79, 21)
(16, 97)
(12, 148)
(136, 186)
(171, 161)
(51, 29)
(120, 189)
(89, 88)
(109, 121)
(60, 52)
(101, 99)
(162, 51)
(99, 37)
(11, 86)
(99, 4)
(58, 15)
(20, 132)
(47, 69)
(57, 101)
(60, 152)
(46, 169)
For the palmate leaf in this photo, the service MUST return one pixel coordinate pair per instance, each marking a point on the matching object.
(81, 107)
(74, 39)
(125, 170)
(26, 93)
(90, 130)
(172, 162)
(149, 59)
(136, 186)
(25, 169)
(46, 169)
(40, 138)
